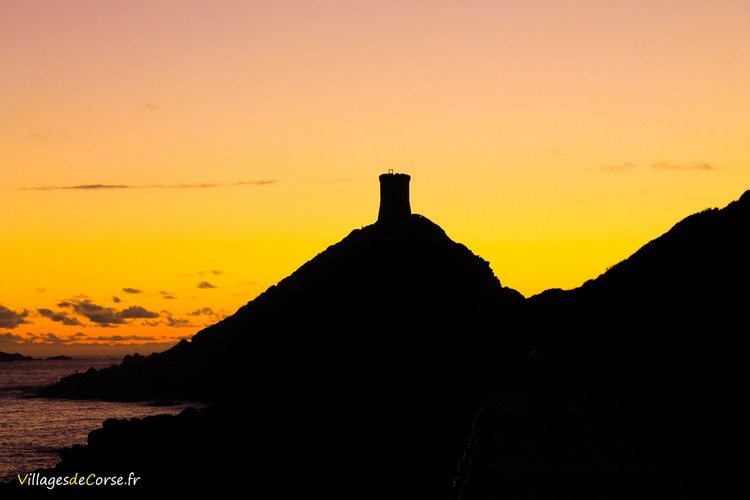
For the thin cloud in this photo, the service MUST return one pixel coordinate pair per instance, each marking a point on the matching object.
(171, 321)
(11, 319)
(662, 166)
(116, 299)
(698, 166)
(206, 284)
(178, 322)
(49, 343)
(51, 338)
(38, 137)
(620, 167)
(98, 187)
(59, 316)
(122, 338)
(137, 312)
(106, 316)
(167, 295)
(152, 106)
(210, 316)
(207, 311)
(10, 338)
(101, 315)
(82, 187)
(48, 338)
(45, 136)
(132, 290)
(215, 272)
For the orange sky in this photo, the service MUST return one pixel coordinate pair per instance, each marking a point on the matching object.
(150, 147)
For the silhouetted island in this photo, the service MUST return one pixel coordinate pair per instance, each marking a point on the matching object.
(395, 365)
(60, 357)
(6, 356)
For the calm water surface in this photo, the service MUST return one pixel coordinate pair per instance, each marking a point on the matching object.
(31, 430)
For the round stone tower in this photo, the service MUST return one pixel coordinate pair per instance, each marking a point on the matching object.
(394, 197)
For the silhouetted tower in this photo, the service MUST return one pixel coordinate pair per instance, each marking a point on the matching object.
(394, 197)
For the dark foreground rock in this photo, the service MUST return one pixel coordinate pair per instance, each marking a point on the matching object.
(498, 442)
(321, 439)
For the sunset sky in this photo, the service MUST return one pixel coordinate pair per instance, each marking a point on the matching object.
(164, 162)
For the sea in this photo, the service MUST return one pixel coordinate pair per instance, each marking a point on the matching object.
(33, 430)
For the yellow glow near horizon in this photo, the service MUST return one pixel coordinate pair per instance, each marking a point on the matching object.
(551, 138)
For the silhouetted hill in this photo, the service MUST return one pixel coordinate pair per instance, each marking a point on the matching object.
(674, 311)
(6, 356)
(389, 297)
(636, 384)
(394, 365)
(354, 377)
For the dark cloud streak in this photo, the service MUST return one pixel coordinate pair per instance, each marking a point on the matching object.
(134, 312)
(677, 166)
(622, 167)
(98, 187)
(204, 310)
(106, 316)
(60, 316)
(178, 322)
(11, 319)
(10, 338)
(662, 166)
